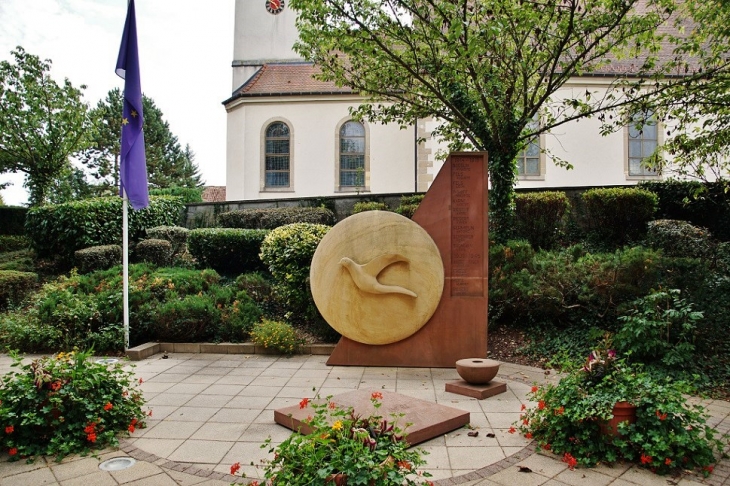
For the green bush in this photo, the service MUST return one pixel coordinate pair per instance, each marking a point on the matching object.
(13, 218)
(154, 251)
(617, 216)
(260, 288)
(238, 319)
(359, 207)
(230, 251)
(192, 318)
(13, 243)
(66, 404)
(15, 286)
(540, 217)
(272, 218)
(60, 230)
(277, 336)
(176, 235)
(704, 204)
(20, 261)
(98, 258)
(287, 252)
(188, 195)
(409, 204)
(680, 239)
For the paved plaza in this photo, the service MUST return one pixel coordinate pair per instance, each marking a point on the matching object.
(212, 410)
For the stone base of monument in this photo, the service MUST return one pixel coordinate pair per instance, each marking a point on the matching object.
(476, 391)
(428, 419)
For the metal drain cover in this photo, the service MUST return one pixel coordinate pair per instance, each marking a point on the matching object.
(107, 360)
(117, 464)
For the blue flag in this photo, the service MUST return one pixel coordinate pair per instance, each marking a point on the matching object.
(133, 165)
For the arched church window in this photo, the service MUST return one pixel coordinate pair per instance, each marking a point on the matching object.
(352, 155)
(277, 169)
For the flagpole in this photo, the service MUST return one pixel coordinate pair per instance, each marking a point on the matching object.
(125, 269)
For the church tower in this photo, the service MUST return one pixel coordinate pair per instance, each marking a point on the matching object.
(265, 32)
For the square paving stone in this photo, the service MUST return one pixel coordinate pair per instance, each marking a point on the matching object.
(429, 419)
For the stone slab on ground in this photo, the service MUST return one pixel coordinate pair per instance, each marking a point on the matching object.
(429, 419)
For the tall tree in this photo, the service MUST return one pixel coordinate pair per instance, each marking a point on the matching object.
(168, 164)
(41, 123)
(486, 68)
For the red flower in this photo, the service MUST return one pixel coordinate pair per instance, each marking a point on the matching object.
(667, 461)
(13, 451)
(528, 435)
(404, 465)
(512, 430)
(133, 422)
(560, 410)
(570, 460)
(56, 385)
(91, 437)
(525, 422)
(547, 447)
(253, 483)
(646, 459)
(149, 414)
(9, 429)
(304, 403)
(376, 396)
(141, 381)
(108, 406)
(332, 405)
(541, 405)
(708, 469)
(235, 467)
(89, 429)
(131, 428)
(534, 389)
(523, 407)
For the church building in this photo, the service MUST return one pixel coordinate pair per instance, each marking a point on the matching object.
(291, 136)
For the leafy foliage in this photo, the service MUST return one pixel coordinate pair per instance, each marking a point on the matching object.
(13, 243)
(155, 251)
(16, 286)
(229, 251)
(276, 335)
(66, 404)
(409, 204)
(359, 207)
(271, 218)
(176, 235)
(680, 239)
(60, 230)
(41, 123)
(343, 448)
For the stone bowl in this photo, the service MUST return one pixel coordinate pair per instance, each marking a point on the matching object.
(477, 371)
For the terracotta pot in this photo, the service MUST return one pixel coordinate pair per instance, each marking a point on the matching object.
(622, 412)
(477, 371)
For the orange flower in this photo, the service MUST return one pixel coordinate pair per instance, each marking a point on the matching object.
(528, 435)
(404, 465)
(376, 396)
(512, 430)
(667, 461)
(13, 451)
(235, 467)
(570, 460)
(661, 416)
(91, 437)
(89, 428)
(541, 405)
(560, 410)
(304, 403)
(253, 483)
(534, 389)
(646, 459)
(56, 385)
(131, 428)
(9, 429)
(108, 406)
(332, 405)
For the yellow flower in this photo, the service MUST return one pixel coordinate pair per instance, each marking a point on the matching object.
(337, 425)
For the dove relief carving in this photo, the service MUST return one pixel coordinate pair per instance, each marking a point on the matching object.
(365, 276)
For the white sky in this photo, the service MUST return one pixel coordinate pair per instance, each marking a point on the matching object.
(185, 49)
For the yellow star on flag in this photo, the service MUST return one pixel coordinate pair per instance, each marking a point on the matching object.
(134, 114)
(125, 121)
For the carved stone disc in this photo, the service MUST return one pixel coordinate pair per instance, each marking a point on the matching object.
(377, 277)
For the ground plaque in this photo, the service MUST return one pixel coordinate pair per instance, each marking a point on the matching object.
(454, 214)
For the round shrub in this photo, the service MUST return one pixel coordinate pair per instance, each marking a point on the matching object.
(230, 251)
(154, 251)
(359, 207)
(679, 239)
(176, 235)
(193, 318)
(277, 336)
(15, 286)
(287, 252)
(98, 258)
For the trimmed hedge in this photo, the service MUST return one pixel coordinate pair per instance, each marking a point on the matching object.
(680, 239)
(13, 243)
(616, 216)
(540, 217)
(176, 235)
(369, 206)
(98, 258)
(229, 251)
(271, 218)
(155, 251)
(15, 286)
(704, 204)
(60, 230)
(188, 194)
(13, 218)
(409, 204)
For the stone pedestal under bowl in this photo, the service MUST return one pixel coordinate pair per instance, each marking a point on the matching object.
(477, 378)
